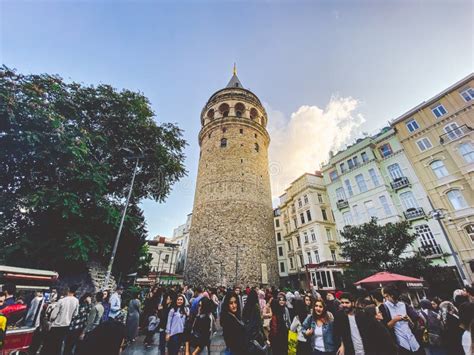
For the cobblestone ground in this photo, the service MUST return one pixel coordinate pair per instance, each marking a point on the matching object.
(137, 348)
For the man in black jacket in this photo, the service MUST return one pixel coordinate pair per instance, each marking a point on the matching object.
(351, 327)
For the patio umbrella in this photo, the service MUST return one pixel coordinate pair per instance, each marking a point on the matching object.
(386, 277)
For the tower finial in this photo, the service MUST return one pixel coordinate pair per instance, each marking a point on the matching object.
(235, 69)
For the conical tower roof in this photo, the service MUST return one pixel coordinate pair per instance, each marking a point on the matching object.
(234, 81)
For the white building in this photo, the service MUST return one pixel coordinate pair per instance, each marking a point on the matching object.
(181, 237)
(164, 256)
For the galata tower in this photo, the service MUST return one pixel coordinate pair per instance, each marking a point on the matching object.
(231, 239)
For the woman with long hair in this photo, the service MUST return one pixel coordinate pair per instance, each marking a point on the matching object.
(106, 305)
(200, 336)
(232, 325)
(175, 327)
(251, 316)
(279, 326)
(319, 328)
(133, 318)
(452, 335)
(301, 313)
(163, 312)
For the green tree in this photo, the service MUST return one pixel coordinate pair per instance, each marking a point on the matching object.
(66, 169)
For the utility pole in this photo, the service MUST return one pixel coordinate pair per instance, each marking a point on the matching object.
(237, 265)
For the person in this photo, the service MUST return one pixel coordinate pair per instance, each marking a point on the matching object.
(9, 289)
(351, 328)
(398, 317)
(163, 312)
(432, 329)
(196, 300)
(452, 335)
(319, 329)
(32, 318)
(238, 292)
(133, 318)
(332, 303)
(303, 346)
(152, 325)
(116, 303)
(78, 323)
(232, 325)
(377, 297)
(381, 338)
(61, 317)
(106, 305)
(279, 326)
(175, 327)
(200, 336)
(261, 300)
(466, 322)
(107, 339)
(150, 305)
(95, 315)
(435, 302)
(2, 300)
(267, 316)
(252, 319)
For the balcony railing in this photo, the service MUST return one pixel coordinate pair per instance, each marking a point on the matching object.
(400, 183)
(341, 204)
(414, 213)
(454, 134)
(430, 250)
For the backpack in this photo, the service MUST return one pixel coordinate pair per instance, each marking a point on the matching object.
(431, 328)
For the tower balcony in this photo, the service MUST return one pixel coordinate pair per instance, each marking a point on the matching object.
(341, 204)
(414, 213)
(400, 183)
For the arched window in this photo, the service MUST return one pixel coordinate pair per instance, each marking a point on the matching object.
(253, 113)
(257, 148)
(239, 109)
(470, 231)
(457, 199)
(224, 110)
(210, 114)
(467, 152)
(439, 169)
(223, 142)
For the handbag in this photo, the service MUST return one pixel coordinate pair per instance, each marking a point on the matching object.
(292, 342)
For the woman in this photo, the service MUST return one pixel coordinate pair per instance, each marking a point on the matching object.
(303, 347)
(106, 304)
(434, 328)
(175, 327)
(279, 326)
(78, 324)
(308, 303)
(466, 322)
(435, 302)
(251, 316)
(232, 326)
(261, 300)
(267, 316)
(200, 336)
(133, 317)
(163, 312)
(150, 305)
(452, 335)
(319, 328)
(382, 339)
(107, 339)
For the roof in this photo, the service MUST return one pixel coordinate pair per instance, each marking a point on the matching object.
(234, 82)
(21, 270)
(386, 277)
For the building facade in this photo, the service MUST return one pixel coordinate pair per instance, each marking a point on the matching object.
(181, 237)
(373, 178)
(232, 236)
(437, 137)
(164, 257)
(305, 236)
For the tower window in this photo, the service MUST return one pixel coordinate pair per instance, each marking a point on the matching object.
(224, 109)
(253, 113)
(241, 131)
(209, 135)
(255, 135)
(257, 147)
(239, 109)
(210, 114)
(224, 130)
(223, 142)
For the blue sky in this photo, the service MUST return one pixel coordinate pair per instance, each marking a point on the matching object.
(362, 62)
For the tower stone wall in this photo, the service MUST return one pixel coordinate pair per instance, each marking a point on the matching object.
(232, 234)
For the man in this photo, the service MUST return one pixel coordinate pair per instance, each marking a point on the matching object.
(2, 300)
(351, 328)
(195, 302)
(398, 317)
(61, 316)
(96, 314)
(33, 315)
(9, 289)
(116, 302)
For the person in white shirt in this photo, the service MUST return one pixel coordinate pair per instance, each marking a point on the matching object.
(116, 302)
(466, 320)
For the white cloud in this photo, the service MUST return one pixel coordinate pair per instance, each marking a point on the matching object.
(300, 144)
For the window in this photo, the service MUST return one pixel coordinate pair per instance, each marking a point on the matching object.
(467, 152)
(355, 160)
(308, 215)
(313, 236)
(305, 199)
(370, 207)
(470, 231)
(439, 111)
(424, 144)
(340, 194)
(453, 131)
(224, 110)
(302, 218)
(282, 267)
(408, 200)
(316, 257)
(298, 243)
(343, 168)
(328, 234)
(279, 237)
(166, 259)
(292, 263)
(305, 236)
(320, 198)
(439, 169)
(349, 187)
(347, 218)
(280, 251)
(457, 199)
(310, 259)
(386, 207)
(467, 94)
(373, 176)
(294, 221)
(395, 171)
(365, 157)
(290, 245)
(350, 163)
(323, 212)
(300, 256)
(223, 142)
(361, 183)
(239, 109)
(257, 148)
(412, 125)
(241, 131)
(385, 150)
(333, 175)
(300, 204)
(277, 223)
(425, 236)
(356, 214)
(333, 255)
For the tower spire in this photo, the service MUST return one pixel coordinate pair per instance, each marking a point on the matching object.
(234, 72)
(234, 81)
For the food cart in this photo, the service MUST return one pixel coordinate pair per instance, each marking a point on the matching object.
(18, 337)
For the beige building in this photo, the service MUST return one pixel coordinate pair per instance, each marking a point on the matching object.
(164, 255)
(231, 239)
(306, 237)
(437, 138)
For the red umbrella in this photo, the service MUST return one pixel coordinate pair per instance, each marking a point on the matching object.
(386, 277)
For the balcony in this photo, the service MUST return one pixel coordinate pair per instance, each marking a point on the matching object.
(454, 134)
(430, 250)
(414, 213)
(341, 204)
(400, 183)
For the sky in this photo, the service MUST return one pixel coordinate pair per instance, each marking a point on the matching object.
(327, 71)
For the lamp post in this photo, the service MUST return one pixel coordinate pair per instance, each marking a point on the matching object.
(237, 265)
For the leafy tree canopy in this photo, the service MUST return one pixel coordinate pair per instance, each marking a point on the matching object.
(65, 153)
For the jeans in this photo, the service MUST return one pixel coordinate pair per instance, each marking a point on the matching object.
(174, 344)
(54, 341)
(72, 341)
(317, 352)
(162, 345)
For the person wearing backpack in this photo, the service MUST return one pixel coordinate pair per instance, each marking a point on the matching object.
(432, 329)
(153, 322)
(201, 329)
(175, 327)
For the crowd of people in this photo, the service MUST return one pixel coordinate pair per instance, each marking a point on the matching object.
(183, 320)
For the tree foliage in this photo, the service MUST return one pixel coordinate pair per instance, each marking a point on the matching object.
(66, 170)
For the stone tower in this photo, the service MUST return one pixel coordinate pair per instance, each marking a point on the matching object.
(232, 233)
